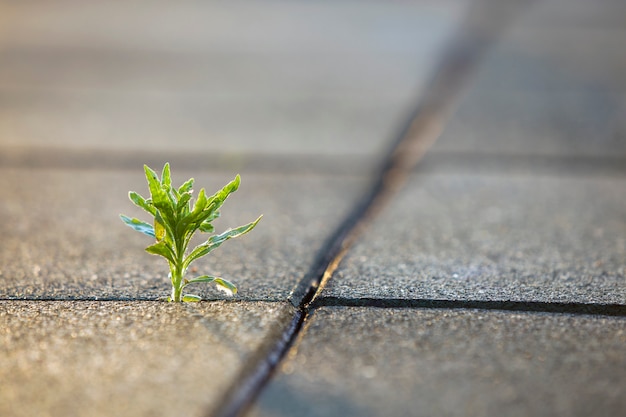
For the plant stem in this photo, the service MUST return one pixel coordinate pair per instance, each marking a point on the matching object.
(177, 280)
(176, 294)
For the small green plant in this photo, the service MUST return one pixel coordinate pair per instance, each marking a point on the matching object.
(176, 220)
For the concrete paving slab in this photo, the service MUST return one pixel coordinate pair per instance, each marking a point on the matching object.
(554, 85)
(128, 358)
(63, 239)
(405, 362)
(492, 238)
(281, 77)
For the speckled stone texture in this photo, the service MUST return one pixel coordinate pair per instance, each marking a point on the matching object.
(554, 84)
(128, 358)
(483, 237)
(540, 224)
(413, 362)
(519, 207)
(62, 237)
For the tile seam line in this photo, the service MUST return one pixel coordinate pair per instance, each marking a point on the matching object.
(557, 308)
(576, 308)
(137, 300)
(464, 52)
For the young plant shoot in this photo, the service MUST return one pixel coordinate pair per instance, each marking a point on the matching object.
(176, 220)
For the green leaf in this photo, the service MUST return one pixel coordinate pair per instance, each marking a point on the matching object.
(217, 200)
(203, 278)
(226, 286)
(160, 197)
(206, 227)
(223, 285)
(176, 220)
(138, 225)
(141, 202)
(154, 184)
(162, 249)
(186, 187)
(188, 225)
(191, 298)
(166, 177)
(214, 215)
(200, 203)
(206, 209)
(182, 207)
(166, 184)
(215, 241)
(159, 227)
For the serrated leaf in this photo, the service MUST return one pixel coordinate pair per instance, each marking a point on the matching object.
(138, 225)
(200, 203)
(191, 298)
(206, 227)
(188, 225)
(162, 249)
(166, 176)
(141, 202)
(160, 197)
(207, 209)
(186, 187)
(215, 241)
(166, 185)
(154, 184)
(182, 207)
(217, 200)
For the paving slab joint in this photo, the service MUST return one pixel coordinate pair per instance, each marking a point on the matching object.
(238, 398)
(572, 308)
(481, 27)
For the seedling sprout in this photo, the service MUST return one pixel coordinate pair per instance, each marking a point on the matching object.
(176, 220)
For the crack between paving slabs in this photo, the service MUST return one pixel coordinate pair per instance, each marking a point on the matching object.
(573, 308)
(481, 27)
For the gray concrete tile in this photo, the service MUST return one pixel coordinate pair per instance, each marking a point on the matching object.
(62, 237)
(128, 358)
(395, 362)
(554, 85)
(281, 77)
(485, 237)
(531, 123)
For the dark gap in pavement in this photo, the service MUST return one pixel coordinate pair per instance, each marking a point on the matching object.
(481, 27)
(137, 299)
(238, 398)
(617, 310)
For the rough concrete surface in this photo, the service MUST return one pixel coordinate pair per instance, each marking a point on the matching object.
(128, 358)
(390, 362)
(62, 237)
(520, 206)
(483, 237)
(553, 85)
